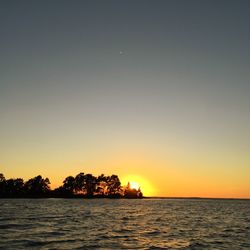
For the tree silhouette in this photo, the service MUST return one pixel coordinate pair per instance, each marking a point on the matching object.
(114, 185)
(2, 185)
(101, 186)
(69, 185)
(14, 187)
(79, 183)
(37, 185)
(2, 178)
(82, 185)
(11, 187)
(90, 184)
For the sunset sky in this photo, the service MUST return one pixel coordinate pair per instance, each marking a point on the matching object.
(157, 92)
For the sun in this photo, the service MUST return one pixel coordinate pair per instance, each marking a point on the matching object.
(134, 185)
(137, 182)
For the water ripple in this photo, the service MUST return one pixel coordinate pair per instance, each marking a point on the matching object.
(124, 224)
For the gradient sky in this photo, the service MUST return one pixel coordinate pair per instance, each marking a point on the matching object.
(154, 91)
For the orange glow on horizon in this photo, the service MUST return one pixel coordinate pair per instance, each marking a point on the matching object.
(139, 182)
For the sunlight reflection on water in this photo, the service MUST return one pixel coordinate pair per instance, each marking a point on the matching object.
(124, 224)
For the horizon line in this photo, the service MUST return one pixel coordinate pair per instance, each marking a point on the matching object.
(191, 197)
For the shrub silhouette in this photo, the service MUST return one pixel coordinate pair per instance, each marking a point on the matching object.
(132, 193)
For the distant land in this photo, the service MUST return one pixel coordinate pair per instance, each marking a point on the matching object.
(80, 186)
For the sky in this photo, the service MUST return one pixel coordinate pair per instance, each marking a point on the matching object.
(156, 91)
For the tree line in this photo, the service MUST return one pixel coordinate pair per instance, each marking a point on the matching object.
(80, 186)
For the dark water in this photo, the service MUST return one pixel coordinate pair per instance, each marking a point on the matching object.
(124, 224)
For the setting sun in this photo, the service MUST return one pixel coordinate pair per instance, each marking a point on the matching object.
(137, 182)
(134, 185)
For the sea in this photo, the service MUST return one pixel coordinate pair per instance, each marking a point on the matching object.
(124, 224)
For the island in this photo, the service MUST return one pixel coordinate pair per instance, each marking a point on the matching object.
(80, 186)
